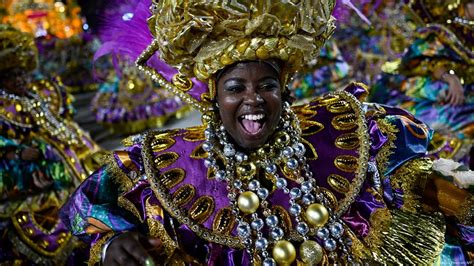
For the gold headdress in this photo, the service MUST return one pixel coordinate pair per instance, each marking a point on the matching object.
(17, 49)
(198, 38)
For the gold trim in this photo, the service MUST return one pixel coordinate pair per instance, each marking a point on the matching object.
(387, 149)
(311, 153)
(157, 229)
(95, 256)
(129, 206)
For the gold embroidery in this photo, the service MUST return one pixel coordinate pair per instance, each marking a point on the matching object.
(283, 216)
(347, 141)
(96, 250)
(202, 208)
(387, 149)
(346, 163)
(310, 128)
(161, 144)
(157, 229)
(129, 206)
(311, 153)
(326, 100)
(172, 177)
(194, 134)
(182, 82)
(330, 196)
(338, 183)
(184, 195)
(339, 107)
(304, 112)
(166, 159)
(224, 222)
(344, 121)
(198, 153)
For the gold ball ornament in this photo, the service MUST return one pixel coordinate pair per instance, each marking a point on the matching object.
(248, 202)
(317, 214)
(284, 252)
(311, 252)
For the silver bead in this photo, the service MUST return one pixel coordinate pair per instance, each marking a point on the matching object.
(263, 193)
(269, 262)
(239, 157)
(336, 230)
(243, 230)
(272, 221)
(261, 243)
(295, 193)
(306, 186)
(229, 150)
(295, 209)
(292, 163)
(271, 168)
(277, 233)
(254, 185)
(220, 175)
(288, 152)
(302, 228)
(207, 146)
(330, 244)
(208, 133)
(308, 199)
(257, 224)
(209, 162)
(323, 233)
(237, 183)
(281, 183)
(299, 149)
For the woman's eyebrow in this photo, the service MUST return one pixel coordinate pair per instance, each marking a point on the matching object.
(234, 80)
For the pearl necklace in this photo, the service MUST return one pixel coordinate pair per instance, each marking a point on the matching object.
(247, 198)
(464, 21)
(44, 118)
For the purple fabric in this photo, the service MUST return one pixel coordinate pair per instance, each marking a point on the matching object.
(467, 234)
(376, 137)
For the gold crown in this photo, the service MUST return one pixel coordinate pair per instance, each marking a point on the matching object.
(17, 49)
(201, 37)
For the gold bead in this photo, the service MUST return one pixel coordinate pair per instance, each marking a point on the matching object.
(311, 252)
(248, 202)
(18, 107)
(317, 214)
(284, 252)
(265, 151)
(282, 139)
(246, 171)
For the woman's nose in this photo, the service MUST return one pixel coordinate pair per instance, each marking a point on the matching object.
(253, 97)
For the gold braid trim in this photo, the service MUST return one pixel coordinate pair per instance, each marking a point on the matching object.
(96, 249)
(412, 239)
(387, 149)
(157, 229)
(118, 176)
(411, 178)
(128, 205)
(466, 213)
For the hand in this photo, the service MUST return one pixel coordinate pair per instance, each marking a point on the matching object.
(130, 248)
(41, 181)
(30, 154)
(455, 95)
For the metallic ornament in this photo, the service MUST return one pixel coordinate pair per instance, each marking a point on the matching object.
(284, 252)
(311, 252)
(248, 202)
(317, 214)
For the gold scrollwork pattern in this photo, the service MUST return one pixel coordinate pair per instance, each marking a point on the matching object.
(166, 159)
(347, 141)
(172, 177)
(344, 121)
(161, 144)
(346, 163)
(338, 183)
(224, 222)
(184, 195)
(194, 134)
(339, 107)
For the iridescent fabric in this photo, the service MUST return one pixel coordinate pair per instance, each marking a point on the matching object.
(160, 169)
(414, 88)
(32, 191)
(331, 72)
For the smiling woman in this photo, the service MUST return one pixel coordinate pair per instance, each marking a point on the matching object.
(262, 182)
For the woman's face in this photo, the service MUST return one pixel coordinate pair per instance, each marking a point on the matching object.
(250, 104)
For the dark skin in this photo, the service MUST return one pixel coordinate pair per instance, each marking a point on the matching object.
(247, 88)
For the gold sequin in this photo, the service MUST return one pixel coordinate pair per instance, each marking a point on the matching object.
(310, 128)
(172, 177)
(184, 195)
(166, 159)
(339, 107)
(224, 221)
(161, 144)
(347, 141)
(346, 163)
(344, 121)
(330, 196)
(338, 183)
(201, 209)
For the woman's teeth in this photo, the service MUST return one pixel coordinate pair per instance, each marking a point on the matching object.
(252, 123)
(253, 117)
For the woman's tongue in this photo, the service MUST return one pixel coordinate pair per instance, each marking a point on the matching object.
(251, 126)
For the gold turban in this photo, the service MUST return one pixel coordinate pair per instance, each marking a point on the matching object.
(201, 37)
(17, 49)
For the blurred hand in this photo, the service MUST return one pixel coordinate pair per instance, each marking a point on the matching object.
(455, 95)
(30, 154)
(130, 248)
(41, 181)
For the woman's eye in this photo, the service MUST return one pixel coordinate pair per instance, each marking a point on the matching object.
(269, 87)
(234, 88)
